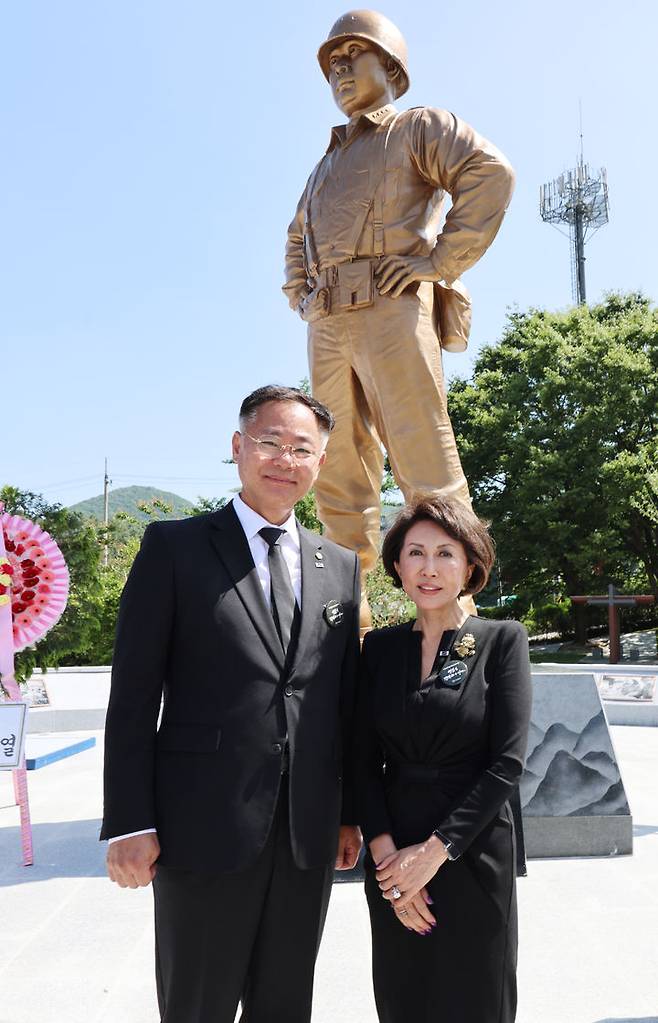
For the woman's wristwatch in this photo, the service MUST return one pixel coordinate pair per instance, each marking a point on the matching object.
(452, 852)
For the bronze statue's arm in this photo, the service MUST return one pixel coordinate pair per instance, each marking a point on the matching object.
(296, 287)
(453, 156)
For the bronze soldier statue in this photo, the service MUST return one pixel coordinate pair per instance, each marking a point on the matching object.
(378, 284)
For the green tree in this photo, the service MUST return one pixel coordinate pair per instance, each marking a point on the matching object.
(389, 604)
(124, 535)
(307, 513)
(557, 435)
(389, 487)
(203, 505)
(79, 626)
(112, 581)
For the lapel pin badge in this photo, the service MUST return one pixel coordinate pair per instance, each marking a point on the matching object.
(333, 613)
(453, 674)
(319, 559)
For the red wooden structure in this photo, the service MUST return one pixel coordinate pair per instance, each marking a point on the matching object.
(615, 601)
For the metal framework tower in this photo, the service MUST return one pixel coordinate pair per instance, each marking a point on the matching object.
(580, 200)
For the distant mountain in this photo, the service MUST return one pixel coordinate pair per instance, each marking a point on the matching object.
(127, 499)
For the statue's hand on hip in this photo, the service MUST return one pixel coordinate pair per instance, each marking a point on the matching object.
(395, 273)
(315, 305)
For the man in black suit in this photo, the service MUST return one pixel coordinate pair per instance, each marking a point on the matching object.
(247, 624)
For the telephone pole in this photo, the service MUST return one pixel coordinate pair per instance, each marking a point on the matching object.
(106, 514)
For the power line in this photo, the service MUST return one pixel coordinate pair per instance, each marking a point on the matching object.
(70, 483)
(170, 479)
(67, 484)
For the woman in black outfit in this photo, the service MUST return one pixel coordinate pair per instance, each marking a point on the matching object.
(442, 733)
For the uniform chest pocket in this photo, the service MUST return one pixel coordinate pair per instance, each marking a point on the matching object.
(392, 185)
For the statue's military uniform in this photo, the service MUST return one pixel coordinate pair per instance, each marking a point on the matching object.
(376, 360)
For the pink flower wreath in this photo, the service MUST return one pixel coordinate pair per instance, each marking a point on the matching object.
(34, 577)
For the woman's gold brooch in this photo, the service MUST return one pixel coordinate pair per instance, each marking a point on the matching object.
(466, 645)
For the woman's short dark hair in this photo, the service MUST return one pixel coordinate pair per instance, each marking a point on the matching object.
(459, 522)
(276, 392)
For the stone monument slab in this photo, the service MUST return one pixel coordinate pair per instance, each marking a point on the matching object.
(572, 795)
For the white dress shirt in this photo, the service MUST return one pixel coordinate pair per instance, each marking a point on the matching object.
(251, 522)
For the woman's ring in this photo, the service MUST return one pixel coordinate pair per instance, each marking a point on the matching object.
(403, 912)
(395, 892)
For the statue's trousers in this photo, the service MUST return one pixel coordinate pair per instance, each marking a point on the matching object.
(379, 371)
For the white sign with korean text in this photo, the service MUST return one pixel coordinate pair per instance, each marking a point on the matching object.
(13, 718)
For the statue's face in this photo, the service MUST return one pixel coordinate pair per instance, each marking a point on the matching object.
(358, 77)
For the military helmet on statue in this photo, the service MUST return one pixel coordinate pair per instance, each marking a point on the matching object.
(375, 28)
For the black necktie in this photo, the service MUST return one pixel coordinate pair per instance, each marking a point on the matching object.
(283, 597)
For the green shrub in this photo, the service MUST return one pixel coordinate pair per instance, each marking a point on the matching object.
(389, 605)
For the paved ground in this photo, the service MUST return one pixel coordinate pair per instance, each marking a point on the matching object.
(75, 948)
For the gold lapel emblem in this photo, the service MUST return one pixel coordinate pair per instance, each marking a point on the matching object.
(466, 645)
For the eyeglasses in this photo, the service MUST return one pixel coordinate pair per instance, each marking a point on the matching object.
(270, 448)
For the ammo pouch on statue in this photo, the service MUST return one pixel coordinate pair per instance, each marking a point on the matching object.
(315, 305)
(355, 284)
(452, 315)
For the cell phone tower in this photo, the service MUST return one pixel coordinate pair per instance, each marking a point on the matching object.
(580, 200)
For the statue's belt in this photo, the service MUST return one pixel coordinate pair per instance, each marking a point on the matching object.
(349, 285)
(330, 276)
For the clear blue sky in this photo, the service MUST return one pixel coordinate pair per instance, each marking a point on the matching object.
(153, 154)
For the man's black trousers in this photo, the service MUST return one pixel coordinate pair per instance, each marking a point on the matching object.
(249, 936)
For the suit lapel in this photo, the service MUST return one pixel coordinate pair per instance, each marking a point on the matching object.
(398, 666)
(231, 544)
(471, 626)
(314, 574)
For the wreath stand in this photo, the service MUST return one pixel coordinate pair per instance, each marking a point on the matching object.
(34, 583)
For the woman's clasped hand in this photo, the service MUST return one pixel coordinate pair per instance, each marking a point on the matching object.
(407, 871)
